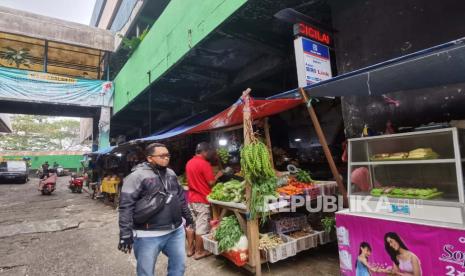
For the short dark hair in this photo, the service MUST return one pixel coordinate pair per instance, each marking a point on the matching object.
(150, 149)
(202, 147)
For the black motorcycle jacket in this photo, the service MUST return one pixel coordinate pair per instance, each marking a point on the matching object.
(141, 182)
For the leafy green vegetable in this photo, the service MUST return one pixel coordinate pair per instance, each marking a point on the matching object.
(328, 224)
(303, 176)
(262, 192)
(228, 233)
(231, 191)
(377, 192)
(256, 162)
(223, 154)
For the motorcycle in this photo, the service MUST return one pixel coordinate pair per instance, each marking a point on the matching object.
(48, 184)
(76, 183)
(60, 171)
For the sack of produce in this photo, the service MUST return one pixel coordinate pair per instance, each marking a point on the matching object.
(239, 254)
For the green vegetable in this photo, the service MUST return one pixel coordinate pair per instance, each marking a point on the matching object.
(223, 154)
(377, 192)
(259, 172)
(328, 224)
(303, 176)
(255, 162)
(397, 191)
(232, 190)
(406, 192)
(228, 233)
(262, 192)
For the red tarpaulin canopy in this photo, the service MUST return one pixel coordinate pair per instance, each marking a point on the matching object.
(233, 115)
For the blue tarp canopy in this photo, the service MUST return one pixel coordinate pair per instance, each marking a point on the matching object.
(179, 128)
(433, 67)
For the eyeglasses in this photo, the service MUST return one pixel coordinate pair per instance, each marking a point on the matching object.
(164, 156)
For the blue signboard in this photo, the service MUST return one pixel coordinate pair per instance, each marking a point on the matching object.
(313, 61)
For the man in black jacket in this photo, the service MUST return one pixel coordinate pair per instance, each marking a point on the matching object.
(164, 231)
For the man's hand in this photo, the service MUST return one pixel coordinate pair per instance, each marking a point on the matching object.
(125, 244)
(218, 175)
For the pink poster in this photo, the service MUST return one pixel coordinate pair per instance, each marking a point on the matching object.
(371, 246)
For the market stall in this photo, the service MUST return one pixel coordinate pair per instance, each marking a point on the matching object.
(106, 168)
(249, 229)
(405, 190)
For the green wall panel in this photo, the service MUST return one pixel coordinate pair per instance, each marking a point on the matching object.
(67, 161)
(182, 25)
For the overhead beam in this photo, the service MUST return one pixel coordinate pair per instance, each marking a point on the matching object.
(52, 29)
(16, 107)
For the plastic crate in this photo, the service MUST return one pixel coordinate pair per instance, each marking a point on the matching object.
(288, 223)
(282, 251)
(210, 245)
(324, 237)
(307, 242)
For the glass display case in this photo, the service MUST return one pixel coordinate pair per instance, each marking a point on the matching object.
(416, 174)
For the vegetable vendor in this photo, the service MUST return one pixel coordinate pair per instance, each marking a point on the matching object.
(200, 179)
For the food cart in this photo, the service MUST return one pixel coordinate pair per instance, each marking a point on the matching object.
(413, 194)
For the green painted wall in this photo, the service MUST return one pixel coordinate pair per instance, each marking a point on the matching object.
(182, 25)
(67, 161)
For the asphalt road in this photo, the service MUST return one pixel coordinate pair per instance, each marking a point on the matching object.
(70, 234)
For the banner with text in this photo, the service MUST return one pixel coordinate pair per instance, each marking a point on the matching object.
(30, 86)
(372, 246)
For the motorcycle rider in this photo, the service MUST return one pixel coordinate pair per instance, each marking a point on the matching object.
(49, 178)
(45, 168)
(164, 231)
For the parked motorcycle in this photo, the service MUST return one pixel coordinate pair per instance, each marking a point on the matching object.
(60, 171)
(76, 183)
(48, 184)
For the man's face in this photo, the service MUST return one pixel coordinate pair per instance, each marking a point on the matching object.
(160, 157)
(208, 154)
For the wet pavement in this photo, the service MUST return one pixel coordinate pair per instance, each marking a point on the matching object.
(70, 234)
